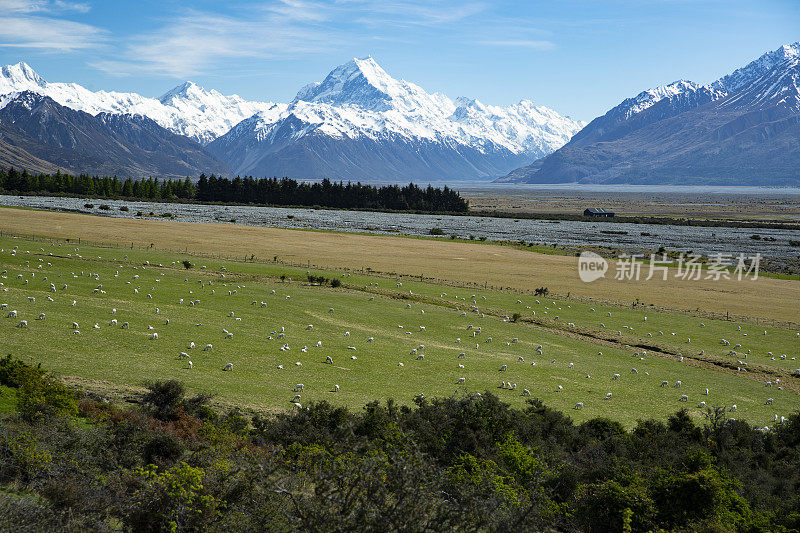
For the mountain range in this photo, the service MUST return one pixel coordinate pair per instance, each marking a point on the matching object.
(358, 123)
(743, 129)
(40, 135)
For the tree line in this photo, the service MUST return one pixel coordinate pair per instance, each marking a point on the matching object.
(70, 461)
(248, 190)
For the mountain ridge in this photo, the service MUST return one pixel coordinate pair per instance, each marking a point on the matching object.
(740, 129)
(39, 134)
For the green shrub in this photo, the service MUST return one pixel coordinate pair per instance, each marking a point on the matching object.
(162, 449)
(105, 207)
(124, 208)
(13, 372)
(88, 206)
(187, 264)
(436, 231)
(45, 396)
(335, 282)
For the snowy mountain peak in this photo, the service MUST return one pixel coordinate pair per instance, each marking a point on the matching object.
(188, 109)
(365, 84)
(650, 97)
(183, 89)
(786, 56)
(19, 77)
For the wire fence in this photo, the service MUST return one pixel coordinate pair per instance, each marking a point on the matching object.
(276, 260)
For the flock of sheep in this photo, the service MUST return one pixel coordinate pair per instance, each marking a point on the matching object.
(38, 279)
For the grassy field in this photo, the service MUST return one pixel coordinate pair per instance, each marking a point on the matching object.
(390, 310)
(499, 266)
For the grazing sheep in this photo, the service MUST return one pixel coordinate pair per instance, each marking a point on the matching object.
(336, 388)
(124, 325)
(732, 408)
(503, 368)
(526, 392)
(75, 325)
(462, 355)
(578, 406)
(460, 381)
(615, 377)
(154, 337)
(208, 348)
(678, 384)
(298, 388)
(608, 396)
(227, 367)
(22, 324)
(683, 398)
(41, 316)
(769, 401)
(329, 360)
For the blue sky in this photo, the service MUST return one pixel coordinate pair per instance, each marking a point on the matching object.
(578, 57)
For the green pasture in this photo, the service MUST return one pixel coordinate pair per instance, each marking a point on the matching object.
(389, 310)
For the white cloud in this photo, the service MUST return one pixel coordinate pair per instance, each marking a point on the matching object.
(197, 41)
(33, 24)
(48, 34)
(522, 43)
(42, 6)
(414, 12)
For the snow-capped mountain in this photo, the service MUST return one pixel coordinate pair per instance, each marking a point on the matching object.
(187, 110)
(743, 129)
(40, 135)
(361, 123)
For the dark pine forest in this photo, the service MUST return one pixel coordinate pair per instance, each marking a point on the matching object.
(248, 190)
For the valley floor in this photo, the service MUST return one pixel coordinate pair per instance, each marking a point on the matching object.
(253, 283)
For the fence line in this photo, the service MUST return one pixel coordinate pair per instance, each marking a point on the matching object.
(420, 277)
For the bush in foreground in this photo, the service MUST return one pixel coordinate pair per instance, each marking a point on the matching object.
(452, 464)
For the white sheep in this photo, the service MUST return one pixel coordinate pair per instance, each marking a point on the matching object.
(328, 360)
(22, 324)
(298, 388)
(615, 377)
(683, 398)
(336, 388)
(503, 368)
(190, 365)
(41, 316)
(154, 337)
(579, 406)
(769, 401)
(208, 348)
(526, 392)
(227, 367)
(460, 381)
(608, 396)
(678, 384)
(732, 408)
(75, 325)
